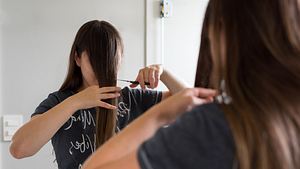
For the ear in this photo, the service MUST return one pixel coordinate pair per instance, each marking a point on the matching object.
(77, 60)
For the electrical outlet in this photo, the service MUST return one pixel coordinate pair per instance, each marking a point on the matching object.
(11, 123)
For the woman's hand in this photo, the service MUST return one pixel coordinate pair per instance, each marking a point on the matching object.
(150, 74)
(93, 96)
(183, 101)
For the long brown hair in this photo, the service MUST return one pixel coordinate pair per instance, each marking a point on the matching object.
(261, 68)
(204, 68)
(104, 45)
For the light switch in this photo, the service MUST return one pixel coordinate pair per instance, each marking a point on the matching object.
(11, 123)
(10, 132)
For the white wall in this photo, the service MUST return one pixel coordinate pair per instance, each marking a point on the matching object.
(181, 37)
(36, 37)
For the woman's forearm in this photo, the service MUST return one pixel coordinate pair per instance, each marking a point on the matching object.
(128, 140)
(40, 129)
(171, 82)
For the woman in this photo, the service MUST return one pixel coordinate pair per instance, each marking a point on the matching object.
(88, 109)
(255, 53)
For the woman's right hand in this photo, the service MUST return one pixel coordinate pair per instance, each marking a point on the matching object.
(93, 96)
(183, 101)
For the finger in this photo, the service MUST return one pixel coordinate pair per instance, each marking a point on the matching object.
(152, 78)
(204, 100)
(146, 76)
(204, 93)
(157, 78)
(210, 99)
(141, 80)
(193, 101)
(133, 85)
(109, 96)
(109, 89)
(106, 105)
(199, 101)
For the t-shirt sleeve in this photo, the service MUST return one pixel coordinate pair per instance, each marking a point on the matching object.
(196, 140)
(51, 101)
(148, 98)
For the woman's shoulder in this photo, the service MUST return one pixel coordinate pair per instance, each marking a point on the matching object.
(207, 118)
(52, 100)
(128, 93)
(127, 89)
(211, 111)
(137, 91)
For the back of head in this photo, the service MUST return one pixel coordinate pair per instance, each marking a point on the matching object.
(256, 50)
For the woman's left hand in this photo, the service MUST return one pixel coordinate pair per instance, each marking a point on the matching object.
(183, 101)
(150, 74)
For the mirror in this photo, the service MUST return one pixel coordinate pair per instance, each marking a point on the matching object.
(36, 37)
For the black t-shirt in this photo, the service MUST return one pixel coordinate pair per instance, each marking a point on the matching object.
(200, 139)
(75, 140)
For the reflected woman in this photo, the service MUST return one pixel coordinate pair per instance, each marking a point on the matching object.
(89, 108)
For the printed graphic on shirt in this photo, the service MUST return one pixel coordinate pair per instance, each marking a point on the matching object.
(85, 117)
